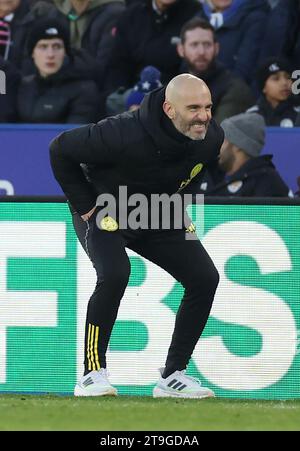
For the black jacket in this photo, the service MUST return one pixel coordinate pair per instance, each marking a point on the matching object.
(65, 97)
(258, 177)
(19, 30)
(8, 102)
(145, 38)
(284, 115)
(141, 150)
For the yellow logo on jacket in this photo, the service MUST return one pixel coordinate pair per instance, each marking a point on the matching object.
(195, 171)
(109, 224)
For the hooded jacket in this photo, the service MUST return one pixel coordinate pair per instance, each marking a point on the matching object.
(141, 150)
(65, 97)
(240, 32)
(258, 177)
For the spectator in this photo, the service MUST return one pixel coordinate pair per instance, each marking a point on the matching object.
(130, 99)
(239, 26)
(146, 35)
(282, 35)
(8, 101)
(16, 20)
(199, 50)
(276, 104)
(149, 80)
(12, 29)
(57, 92)
(247, 173)
(91, 25)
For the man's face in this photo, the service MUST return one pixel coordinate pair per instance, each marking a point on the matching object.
(192, 116)
(198, 50)
(220, 5)
(278, 87)
(48, 56)
(8, 6)
(226, 157)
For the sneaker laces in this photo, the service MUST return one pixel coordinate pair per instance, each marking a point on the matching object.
(101, 374)
(194, 379)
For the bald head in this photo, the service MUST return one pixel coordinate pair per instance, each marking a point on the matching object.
(188, 105)
(183, 85)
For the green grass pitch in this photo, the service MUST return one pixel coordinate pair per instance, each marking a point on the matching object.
(124, 413)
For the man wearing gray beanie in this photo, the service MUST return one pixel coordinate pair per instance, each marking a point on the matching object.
(244, 171)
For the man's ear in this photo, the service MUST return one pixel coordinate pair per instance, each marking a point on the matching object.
(180, 50)
(168, 110)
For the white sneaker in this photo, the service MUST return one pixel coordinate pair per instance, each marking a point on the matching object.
(95, 383)
(179, 385)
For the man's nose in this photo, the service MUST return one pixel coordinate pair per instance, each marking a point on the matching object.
(50, 52)
(203, 115)
(200, 49)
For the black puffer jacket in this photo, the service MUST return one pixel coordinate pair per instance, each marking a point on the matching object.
(144, 38)
(258, 177)
(65, 97)
(141, 150)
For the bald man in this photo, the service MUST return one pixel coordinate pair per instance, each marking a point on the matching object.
(129, 159)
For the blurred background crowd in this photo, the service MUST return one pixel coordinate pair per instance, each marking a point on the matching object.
(79, 61)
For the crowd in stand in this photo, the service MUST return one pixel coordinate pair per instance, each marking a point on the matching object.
(78, 61)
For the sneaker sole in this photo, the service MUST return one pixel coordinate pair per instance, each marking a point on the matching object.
(159, 393)
(82, 392)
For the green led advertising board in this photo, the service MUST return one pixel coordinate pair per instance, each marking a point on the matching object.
(249, 348)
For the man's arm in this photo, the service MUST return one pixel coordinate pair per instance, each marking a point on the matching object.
(87, 144)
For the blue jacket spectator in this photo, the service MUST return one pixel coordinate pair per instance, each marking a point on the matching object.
(239, 29)
(282, 36)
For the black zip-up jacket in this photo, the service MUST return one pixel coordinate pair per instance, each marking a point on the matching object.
(258, 177)
(68, 96)
(141, 150)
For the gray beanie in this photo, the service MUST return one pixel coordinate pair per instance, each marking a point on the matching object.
(246, 131)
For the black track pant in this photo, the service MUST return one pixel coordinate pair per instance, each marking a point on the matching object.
(186, 260)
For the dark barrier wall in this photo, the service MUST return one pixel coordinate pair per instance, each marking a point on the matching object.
(250, 346)
(25, 168)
